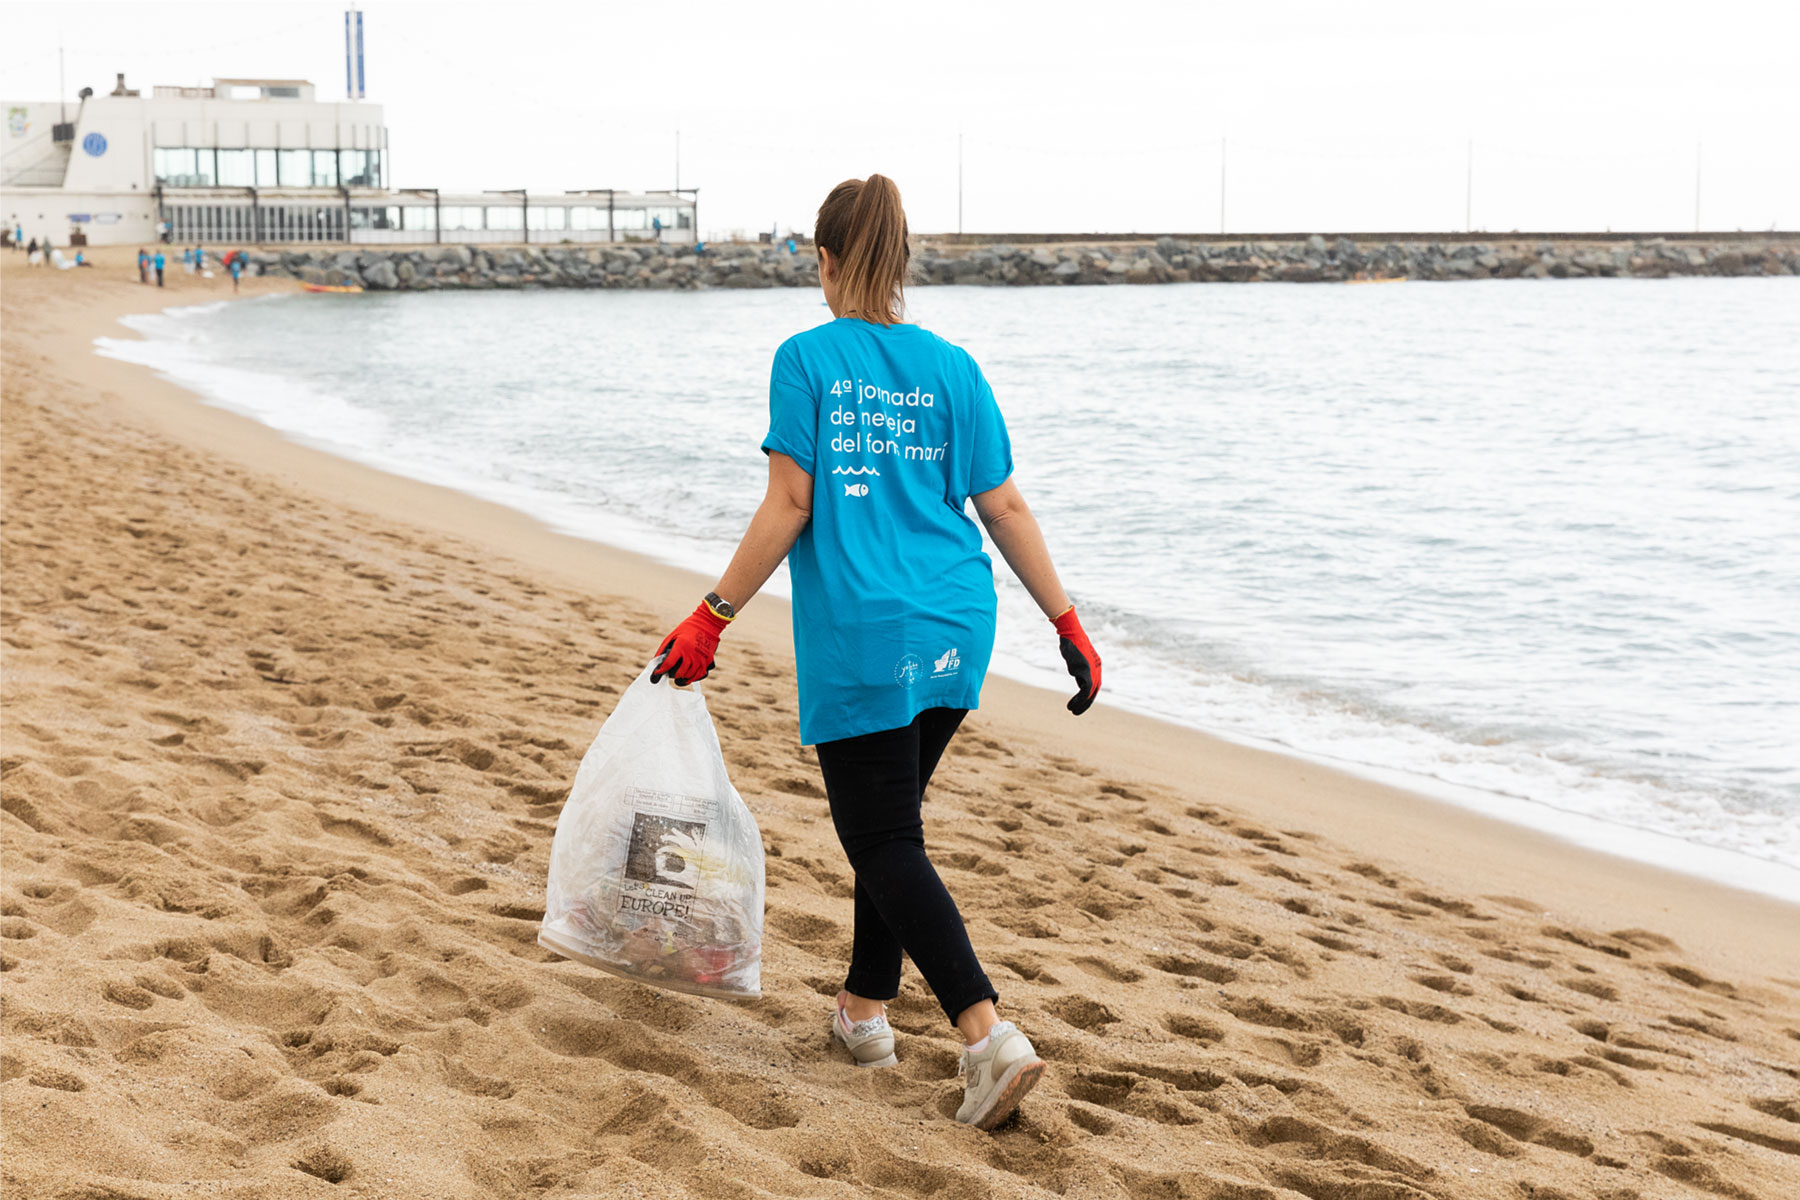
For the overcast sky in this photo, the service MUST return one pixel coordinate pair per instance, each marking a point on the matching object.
(1089, 117)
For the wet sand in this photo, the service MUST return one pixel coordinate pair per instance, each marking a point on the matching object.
(285, 740)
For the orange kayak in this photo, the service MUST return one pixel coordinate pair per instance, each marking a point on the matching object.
(330, 287)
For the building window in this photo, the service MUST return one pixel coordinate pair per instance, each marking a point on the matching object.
(631, 218)
(504, 217)
(237, 168)
(324, 168)
(178, 166)
(296, 168)
(555, 219)
(462, 217)
(416, 217)
(360, 168)
(265, 168)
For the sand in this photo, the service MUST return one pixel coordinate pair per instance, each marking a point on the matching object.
(285, 740)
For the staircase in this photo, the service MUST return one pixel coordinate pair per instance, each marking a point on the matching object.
(38, 162)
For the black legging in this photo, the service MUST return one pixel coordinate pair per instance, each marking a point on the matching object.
(876, 785)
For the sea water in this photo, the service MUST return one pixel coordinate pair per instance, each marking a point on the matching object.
(1530, 545)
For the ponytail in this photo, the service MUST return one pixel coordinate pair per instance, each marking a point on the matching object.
(864, 227)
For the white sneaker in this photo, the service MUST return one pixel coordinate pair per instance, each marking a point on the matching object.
(870, 1042)
(997, 1077)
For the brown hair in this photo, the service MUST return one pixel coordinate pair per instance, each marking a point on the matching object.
(864, 227)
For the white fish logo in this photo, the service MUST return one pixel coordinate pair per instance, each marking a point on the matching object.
(856, 489)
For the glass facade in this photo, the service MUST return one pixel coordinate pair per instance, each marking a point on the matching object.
(237, 168)
(334, 217)
(205, 166)
(295, 168)
(459, 217)
(324, 168)
(184, 167)
(360, 168)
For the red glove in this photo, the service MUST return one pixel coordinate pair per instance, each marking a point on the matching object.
(1078, 652)
(688, 652)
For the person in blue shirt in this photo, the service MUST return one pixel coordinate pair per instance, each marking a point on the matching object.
(880, 434)
(157, 262)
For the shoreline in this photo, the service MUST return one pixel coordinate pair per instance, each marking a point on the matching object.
(287, 738)
(1031, 710)
(1720, 865)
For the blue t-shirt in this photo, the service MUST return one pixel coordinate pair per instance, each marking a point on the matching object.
(893, 594)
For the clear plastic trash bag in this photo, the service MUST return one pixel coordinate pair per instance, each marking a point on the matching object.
(656, 873)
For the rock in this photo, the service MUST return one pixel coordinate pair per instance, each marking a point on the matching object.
(1065, 270)
(381, 275)
(1315, 245)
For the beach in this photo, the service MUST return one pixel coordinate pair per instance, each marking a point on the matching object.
(285, 739)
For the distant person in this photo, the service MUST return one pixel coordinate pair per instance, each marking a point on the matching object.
(894, 609)
(18, 237)
(143, 266)
(158, 261)
(656, 224)
(790, 245)
(700, 248)
(81, 259)
(31, 253)
(162, 232)
(199, 259)
(237, 267)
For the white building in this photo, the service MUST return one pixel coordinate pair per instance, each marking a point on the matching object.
(263, 161)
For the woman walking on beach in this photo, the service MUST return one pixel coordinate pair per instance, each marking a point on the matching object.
(879, 433)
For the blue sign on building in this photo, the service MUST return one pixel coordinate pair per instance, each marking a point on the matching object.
(94, 144)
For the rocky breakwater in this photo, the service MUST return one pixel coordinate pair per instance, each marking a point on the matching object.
(1320, 260)
(434, 268)
(1165, 260)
